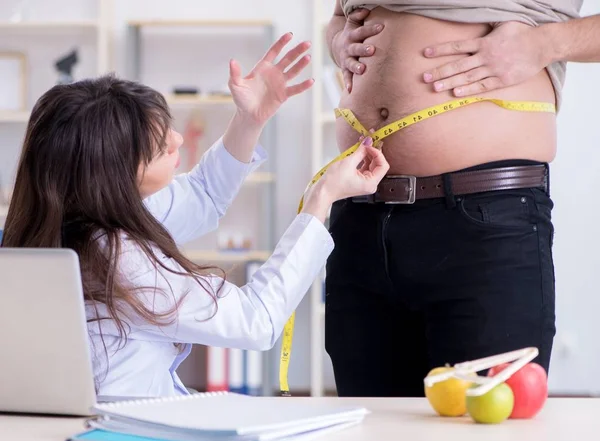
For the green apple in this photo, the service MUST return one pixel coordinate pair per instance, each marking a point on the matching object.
(493, 407)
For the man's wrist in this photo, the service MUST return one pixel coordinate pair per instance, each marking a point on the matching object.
(552, 42)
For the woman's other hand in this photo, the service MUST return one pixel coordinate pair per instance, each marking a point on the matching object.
(259, 94)
(356, 175)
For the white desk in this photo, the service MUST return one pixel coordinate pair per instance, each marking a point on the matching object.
(391, 419)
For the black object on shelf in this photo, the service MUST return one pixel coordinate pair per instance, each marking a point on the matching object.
(65, 67)
(182, 90)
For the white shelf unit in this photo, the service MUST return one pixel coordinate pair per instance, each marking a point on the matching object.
(101, 27)
(264, 180)
(135, 40)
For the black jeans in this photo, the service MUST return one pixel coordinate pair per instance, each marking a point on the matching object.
(413, 287)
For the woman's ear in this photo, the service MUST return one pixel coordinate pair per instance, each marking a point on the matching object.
(174, 140)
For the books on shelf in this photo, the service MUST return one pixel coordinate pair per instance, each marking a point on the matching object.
(233, 369)
(224, 416)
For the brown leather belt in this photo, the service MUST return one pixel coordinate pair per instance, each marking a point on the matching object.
(404, 189)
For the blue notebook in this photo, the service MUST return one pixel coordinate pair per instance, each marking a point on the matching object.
(104, 435)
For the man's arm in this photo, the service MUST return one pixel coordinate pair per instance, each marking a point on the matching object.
(513, 53)
(576, 40)
(334, 27)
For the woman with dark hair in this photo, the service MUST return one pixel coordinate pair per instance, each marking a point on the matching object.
(96, 175)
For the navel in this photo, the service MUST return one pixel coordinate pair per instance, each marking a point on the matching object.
(384, 112)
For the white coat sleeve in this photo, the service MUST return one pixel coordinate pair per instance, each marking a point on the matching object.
(193, 203)
(248, 317)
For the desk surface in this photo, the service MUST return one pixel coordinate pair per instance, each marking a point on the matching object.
(562, 419)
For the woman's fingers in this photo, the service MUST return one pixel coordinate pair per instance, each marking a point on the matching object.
(277, 47)
(372, 164)
(297, 68)
(293, 54)
(378, 164)
(299, 88)
(235, 71)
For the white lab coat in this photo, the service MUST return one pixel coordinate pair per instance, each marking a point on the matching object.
(248, 317)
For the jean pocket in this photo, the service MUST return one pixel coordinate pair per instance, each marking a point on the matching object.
(498, 211)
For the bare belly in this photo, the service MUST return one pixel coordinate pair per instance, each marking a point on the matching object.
(392, 86)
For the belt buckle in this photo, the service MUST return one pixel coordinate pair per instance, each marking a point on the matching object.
(412, 189)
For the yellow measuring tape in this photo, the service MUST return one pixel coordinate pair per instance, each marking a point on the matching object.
(377, 136)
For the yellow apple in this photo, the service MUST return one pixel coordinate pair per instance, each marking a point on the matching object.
(448, 397)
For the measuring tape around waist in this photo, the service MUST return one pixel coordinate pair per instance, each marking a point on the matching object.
(378, 136)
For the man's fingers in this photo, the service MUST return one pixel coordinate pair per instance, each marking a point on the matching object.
(463, 79)
(357, 16)
(450, 69)
(347, 75)
(363, 32)
(485, 85)
(277, 47)
(353, 65)
(360, 50)
(453, 48)
(293, 54)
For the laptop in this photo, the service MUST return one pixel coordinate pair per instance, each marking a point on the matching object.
(45, 362)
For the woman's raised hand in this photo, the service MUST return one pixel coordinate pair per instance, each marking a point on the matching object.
(259, 94)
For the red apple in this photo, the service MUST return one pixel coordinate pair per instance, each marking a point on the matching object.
(530, 388)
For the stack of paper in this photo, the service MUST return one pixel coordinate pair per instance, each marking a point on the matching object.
(219, 416)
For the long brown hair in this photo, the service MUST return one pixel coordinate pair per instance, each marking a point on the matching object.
(77, 186)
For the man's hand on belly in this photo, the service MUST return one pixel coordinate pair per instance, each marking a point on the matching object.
(348, 45)
(510, 54)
